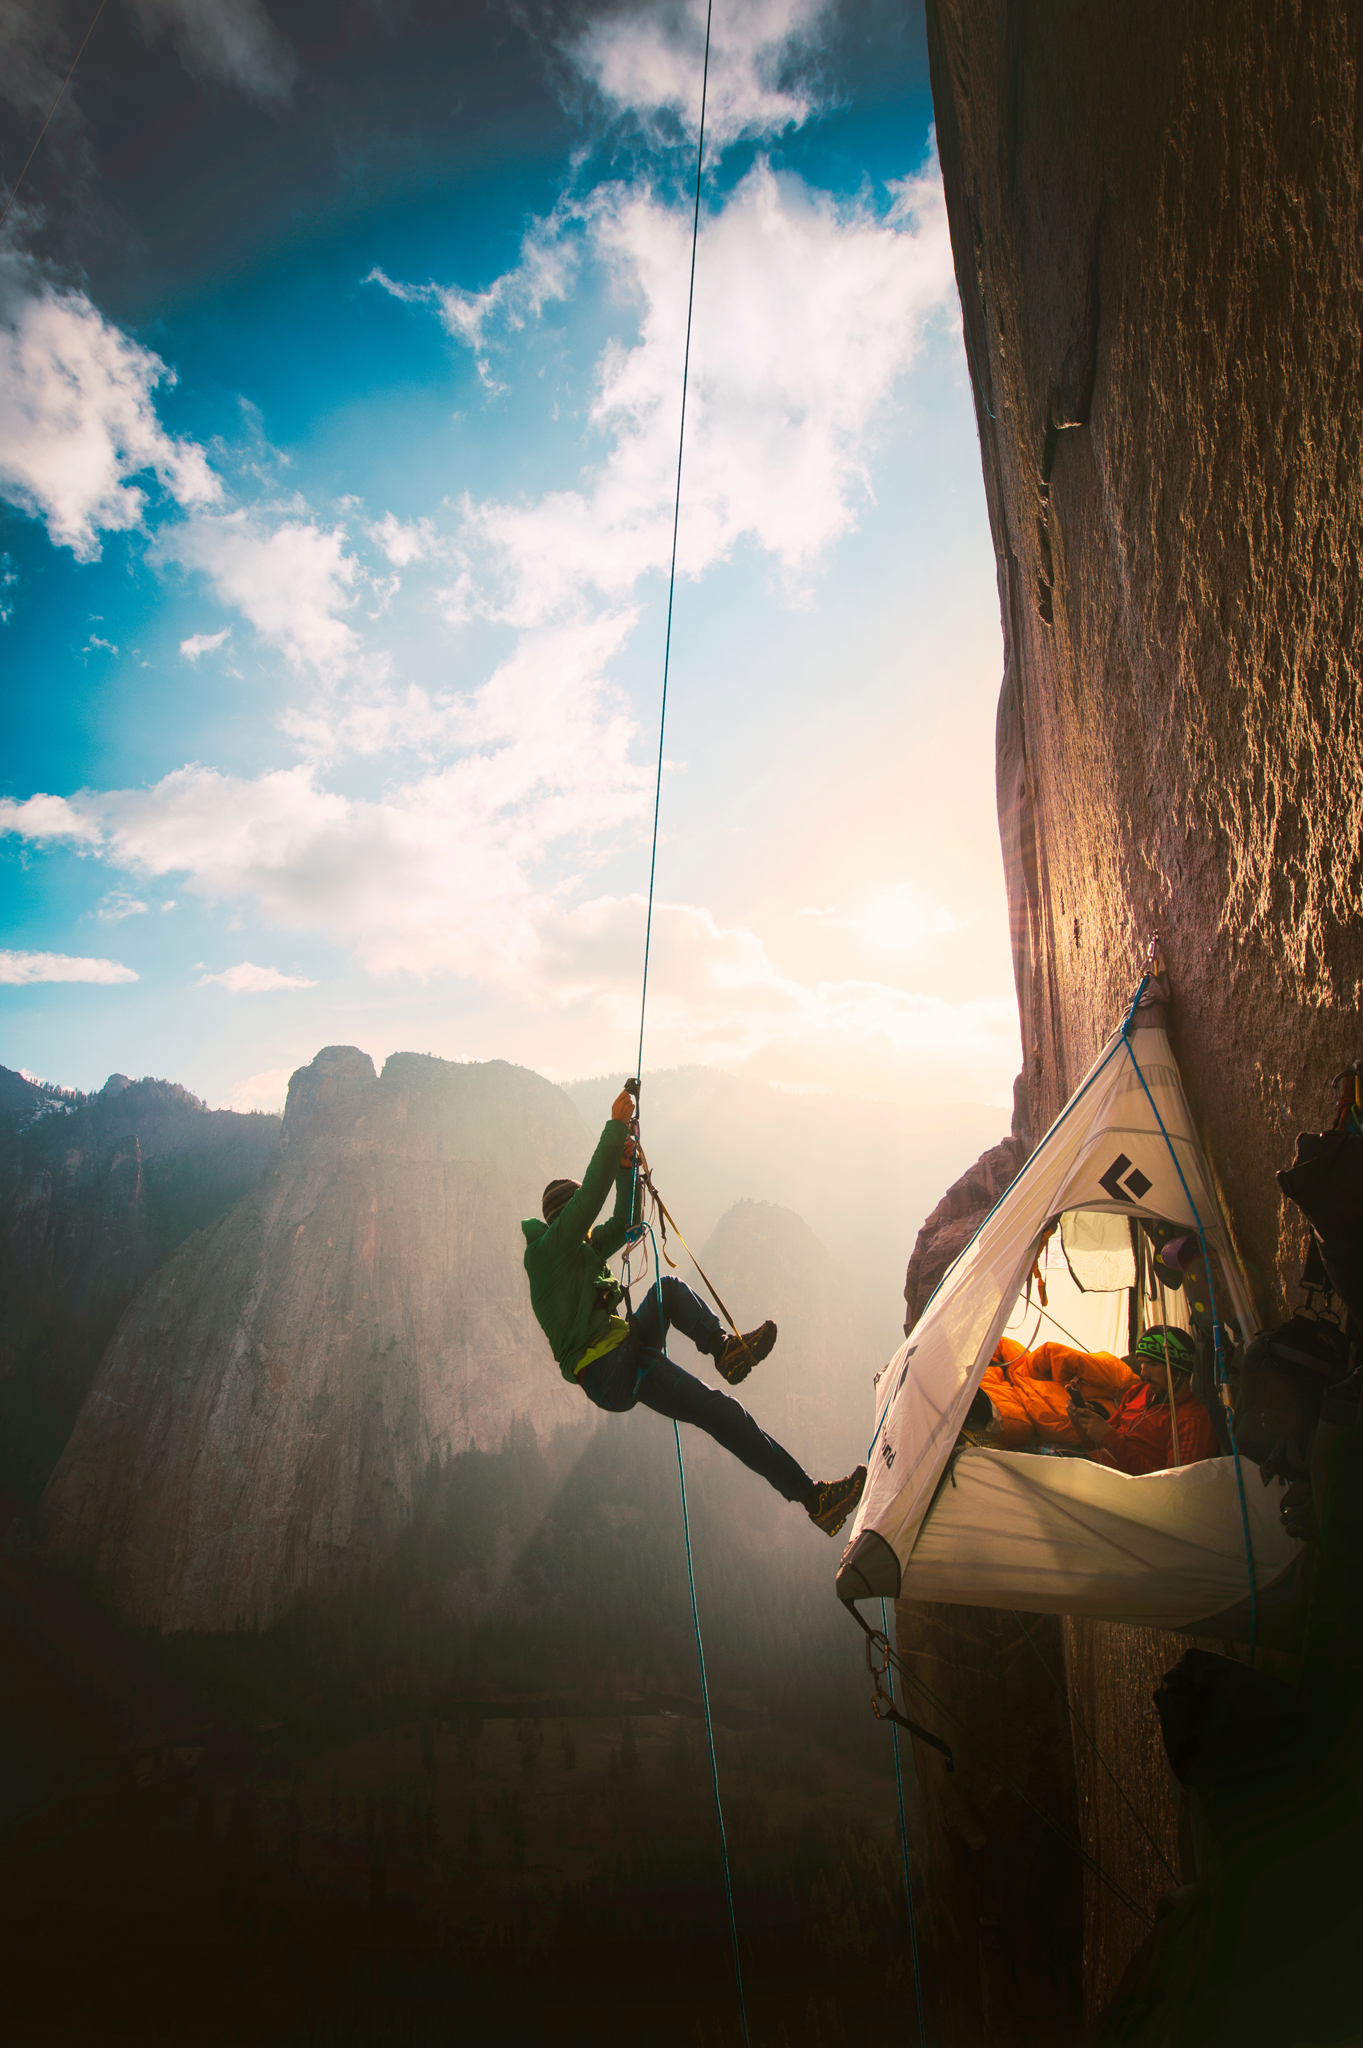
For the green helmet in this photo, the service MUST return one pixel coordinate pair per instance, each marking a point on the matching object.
(1152, 1344)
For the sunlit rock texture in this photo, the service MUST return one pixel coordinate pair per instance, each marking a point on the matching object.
(1157, 223)
(1155, 215)
(274, 1393)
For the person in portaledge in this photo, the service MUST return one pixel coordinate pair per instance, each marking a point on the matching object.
(619, 1361)
(1144, 1433)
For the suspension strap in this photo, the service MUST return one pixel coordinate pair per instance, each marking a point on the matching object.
(904, 1833)
(1217, 1340)
(666, 1214)
(913, 1682)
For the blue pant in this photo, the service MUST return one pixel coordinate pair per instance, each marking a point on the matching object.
(639, 1370)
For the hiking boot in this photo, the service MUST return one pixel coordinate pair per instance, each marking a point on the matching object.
(741, 1354)
(830, 1503)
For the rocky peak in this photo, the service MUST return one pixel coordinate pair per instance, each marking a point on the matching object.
(328, 1094)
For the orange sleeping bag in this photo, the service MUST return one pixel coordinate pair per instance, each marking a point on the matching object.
(1029, 1391)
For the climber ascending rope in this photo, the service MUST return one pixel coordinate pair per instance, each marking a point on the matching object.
(619, 1361)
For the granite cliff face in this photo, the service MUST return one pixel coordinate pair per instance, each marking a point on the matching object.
(95, 1192)
(1157, 222)
(270, 1400)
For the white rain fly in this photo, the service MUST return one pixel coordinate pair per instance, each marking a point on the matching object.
(1054, 1534)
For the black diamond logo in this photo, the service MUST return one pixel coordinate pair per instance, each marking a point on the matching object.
(1137, 1185)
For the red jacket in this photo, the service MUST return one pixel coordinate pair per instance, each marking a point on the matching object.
(1142, 1441)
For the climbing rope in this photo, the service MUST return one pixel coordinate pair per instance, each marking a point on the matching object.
(1005, 1778)
(1117, 1785)
(705, 1690)
(639, 1063)
(676, 522)
(904, 1842)
(1127, 1027)
(1021, 1174)
(14, 188)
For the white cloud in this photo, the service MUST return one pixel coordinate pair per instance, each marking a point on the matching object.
(9, 577)
(289, 581)
(77, 423)
(808, 312)
(48, 819)
(117, 905)
(415, 541)
(267, 1091)
(204, 643)
(648, 58)
(18, 969)
(438, 874)
(716, 997)
(246, 979)
(231, 41)
(546, 272)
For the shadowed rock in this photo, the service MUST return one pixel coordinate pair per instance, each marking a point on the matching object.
(270, 1400)
(95, 1192)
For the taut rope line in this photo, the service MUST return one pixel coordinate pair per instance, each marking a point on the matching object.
(14, 188)
(643, 1009)
(676, 522)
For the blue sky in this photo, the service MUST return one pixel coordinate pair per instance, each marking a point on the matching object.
(338, 418)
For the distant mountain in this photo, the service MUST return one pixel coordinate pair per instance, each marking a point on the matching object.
(263, 1417)
(95, 1193)
(863, 1174)
(814, 1394)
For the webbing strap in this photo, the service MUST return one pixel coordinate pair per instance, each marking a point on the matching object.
(1216, 1318)
(904, 1833)
(664, 1211)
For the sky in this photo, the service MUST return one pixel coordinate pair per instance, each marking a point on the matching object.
(341, 356)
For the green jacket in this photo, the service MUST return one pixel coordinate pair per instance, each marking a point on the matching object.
(571, 1289)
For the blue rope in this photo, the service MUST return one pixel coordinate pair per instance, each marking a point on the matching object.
(700, 1659)
(1216, 1324)
(643, 1009)
(904, 1839)
(676, 522)
(1019, 1176)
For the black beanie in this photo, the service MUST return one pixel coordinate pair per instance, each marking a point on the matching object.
(557, 1196)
